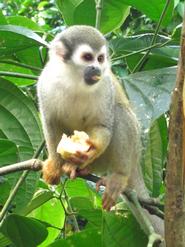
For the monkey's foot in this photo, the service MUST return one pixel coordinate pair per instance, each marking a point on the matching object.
(115, 184)
(52, 171)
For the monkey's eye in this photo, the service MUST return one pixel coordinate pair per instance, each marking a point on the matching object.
(87, 57)
(101, 58)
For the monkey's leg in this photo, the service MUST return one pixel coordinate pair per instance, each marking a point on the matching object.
(142, 218)
(115, 184)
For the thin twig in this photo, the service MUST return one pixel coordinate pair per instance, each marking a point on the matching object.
(99, 7)
(18, 75)
(17, 186)
(71, 213)
(143, 59)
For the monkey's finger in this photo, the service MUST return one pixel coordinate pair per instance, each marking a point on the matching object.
(68, 167)
(91, 144)
(100, 182)
(108, 202)
(73, 174)
(75, 160)
(83, 172)
(81, 155)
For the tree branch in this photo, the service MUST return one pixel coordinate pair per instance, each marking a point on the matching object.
(36, 165)
(175, 178)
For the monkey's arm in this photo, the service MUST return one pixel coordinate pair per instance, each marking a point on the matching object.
(100, 137)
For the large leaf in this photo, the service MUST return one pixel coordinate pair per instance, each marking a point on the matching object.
(85, 238)
(124, 45)
(23, 231)
(84, 12)
(4, 241)
(150, 92)
(20, 125)
(15, 38)
(24, 22)
(30, 56)
(153, 9)
(155, 155)
(159, 57)
(8, 152)
(53, 213)
(120, 231)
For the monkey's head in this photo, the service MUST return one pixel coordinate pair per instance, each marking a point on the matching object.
(83, 49)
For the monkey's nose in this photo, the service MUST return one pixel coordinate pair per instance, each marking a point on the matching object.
(92, 75)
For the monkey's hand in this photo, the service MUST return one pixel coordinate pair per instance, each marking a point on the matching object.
(115, 184)
(73, 170)
(76, 149)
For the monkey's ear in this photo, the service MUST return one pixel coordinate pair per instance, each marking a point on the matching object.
(57, 48)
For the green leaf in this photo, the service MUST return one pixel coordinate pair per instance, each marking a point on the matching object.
(79, 188)
(15, 111)
(84, 12)
(159, 57)
(7, 67)
(53, 213)
(114, 14)
(150, 92)
(39, 198)
(30, 56)
(125, 45)
(153, 9)
(2, 19)
(118, 231)
(155, 155)
(89, 237)
(15, 38)
(21, 125)
(24, 231)
(4, 242)
(8, 152)
(93, 217)
(23, 22)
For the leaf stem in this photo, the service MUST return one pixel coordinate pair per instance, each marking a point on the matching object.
(99, 7)
(18, 75)
(144, 58)
(18, 184)
(157, 45)
(23, 65)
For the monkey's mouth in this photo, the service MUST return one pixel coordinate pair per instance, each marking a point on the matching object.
(92, 75)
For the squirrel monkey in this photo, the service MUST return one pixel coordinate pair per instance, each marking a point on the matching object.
(77, 91)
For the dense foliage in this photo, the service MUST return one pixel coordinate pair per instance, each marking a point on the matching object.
(144, 45)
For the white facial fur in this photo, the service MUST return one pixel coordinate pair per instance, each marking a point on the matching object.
(85, 48)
